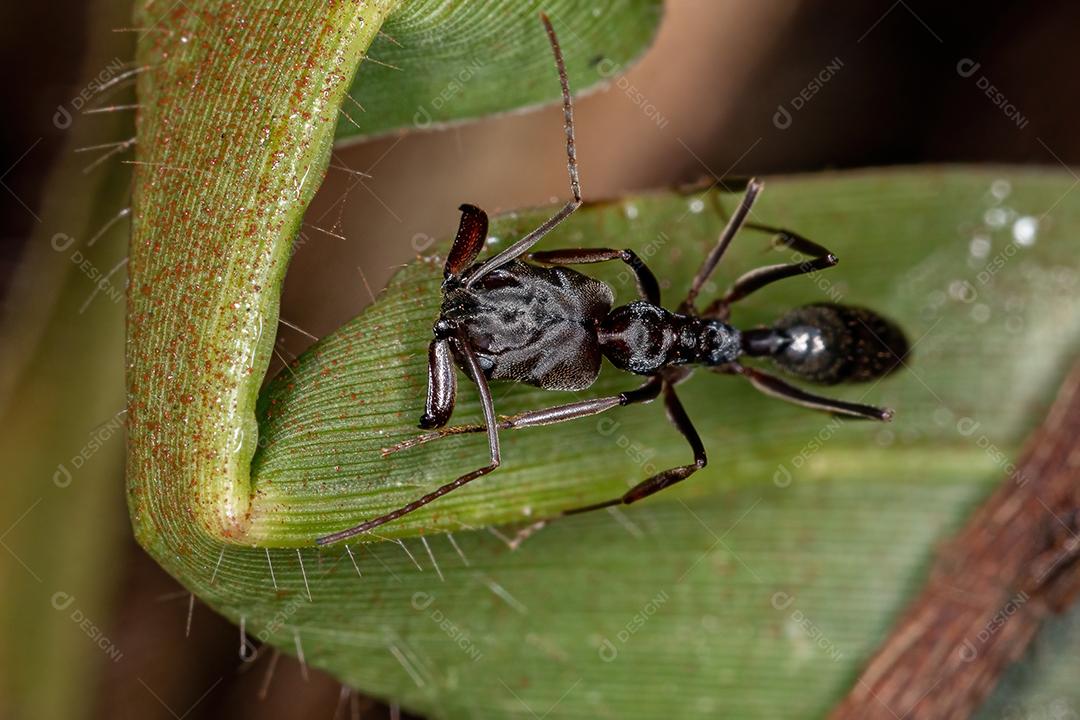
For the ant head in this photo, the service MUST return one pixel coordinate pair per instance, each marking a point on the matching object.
(828, 343)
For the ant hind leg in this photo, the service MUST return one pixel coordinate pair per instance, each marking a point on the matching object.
(775, 387)
(678, 417)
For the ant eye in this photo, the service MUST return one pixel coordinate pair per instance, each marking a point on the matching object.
(828, 343)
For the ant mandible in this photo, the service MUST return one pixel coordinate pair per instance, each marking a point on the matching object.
(548, 326)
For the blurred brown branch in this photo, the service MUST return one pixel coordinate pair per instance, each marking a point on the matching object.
(989, 591)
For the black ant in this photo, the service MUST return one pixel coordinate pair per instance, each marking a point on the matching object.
(548, 326)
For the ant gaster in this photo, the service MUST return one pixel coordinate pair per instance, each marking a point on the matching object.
(549, 326)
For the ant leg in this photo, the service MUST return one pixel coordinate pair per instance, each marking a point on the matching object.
(648, 288)
(462, 345)
(442, 385)
(733, 183)
(758, 278)
(775, 387)
(713, 258)
(791, 239)
(678, 417)
(547, 416)
(522, 246)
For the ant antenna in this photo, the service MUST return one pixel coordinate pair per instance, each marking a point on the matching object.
(568, 109)
(522, 246)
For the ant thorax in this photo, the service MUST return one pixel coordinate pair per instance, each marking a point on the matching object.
(531, 324)
(643, 338)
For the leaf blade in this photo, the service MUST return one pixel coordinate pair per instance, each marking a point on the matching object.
(369, 405)
(439, 63)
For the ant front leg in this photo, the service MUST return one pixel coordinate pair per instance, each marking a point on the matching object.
(547, 416)
(678, 417)
(648, 288)
(758, 278)
(442, 385)
(461, 345)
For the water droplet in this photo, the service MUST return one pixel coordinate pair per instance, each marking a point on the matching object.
(697, 205)
(963, 291)
(979, 246)
(631, 211)
(980, 313)
(1025, 229)
(943, 416)
(1064, 277)
(493, 240)
(1000, 189)
(995, 217)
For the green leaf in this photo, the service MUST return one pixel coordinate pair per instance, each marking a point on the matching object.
(362, 388)
(756, 588)
(439, 62)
